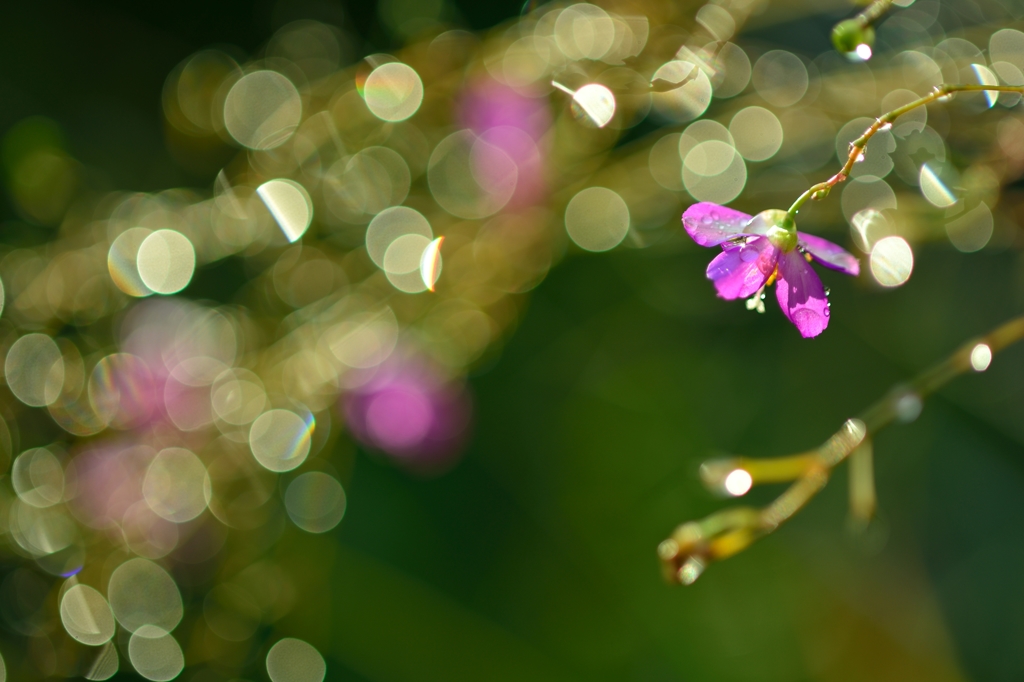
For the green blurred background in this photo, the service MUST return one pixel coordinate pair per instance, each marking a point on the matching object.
(534, 559)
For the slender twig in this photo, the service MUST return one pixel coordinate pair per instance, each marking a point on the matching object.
(695, 544)
(873, 12)
(884, 122)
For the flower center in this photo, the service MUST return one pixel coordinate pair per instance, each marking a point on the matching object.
(781, 238)
(779, 227)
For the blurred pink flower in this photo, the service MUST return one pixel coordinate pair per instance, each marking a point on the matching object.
(515, 124)
(411, 413)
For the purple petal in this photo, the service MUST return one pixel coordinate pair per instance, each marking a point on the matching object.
(711, 224)
(830, 255)
(741, 270)
(801, 295)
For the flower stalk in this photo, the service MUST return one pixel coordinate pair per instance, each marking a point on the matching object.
(695, 544)
(884, 122)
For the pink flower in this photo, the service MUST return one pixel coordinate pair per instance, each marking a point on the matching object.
(764, 249)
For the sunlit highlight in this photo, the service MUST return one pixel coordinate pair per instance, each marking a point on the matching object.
(166, 261)
(738, 482)
(289, 203)
(86, 616)
(595, 102)
(934, 190)
(986, 77)
(981, 357)
(393, 91)
(430, 263)
(891, 261)
(280, 439)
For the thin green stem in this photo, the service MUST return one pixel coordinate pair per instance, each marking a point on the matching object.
(874, 12)
(696, 544)
(884, 122)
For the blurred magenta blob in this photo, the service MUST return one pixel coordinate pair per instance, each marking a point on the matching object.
(108, 480)
(161, 336)
(410, 412)
(516, 124)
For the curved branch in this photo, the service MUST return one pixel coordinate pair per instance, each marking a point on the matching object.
(695, 544)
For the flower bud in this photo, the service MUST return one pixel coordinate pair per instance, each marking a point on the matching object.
(854, 39)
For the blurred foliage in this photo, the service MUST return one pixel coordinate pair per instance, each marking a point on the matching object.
(534, 557)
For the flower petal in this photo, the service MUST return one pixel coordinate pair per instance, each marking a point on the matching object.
(801, 295)
(830, 255)
(739, 271)
(710, 224)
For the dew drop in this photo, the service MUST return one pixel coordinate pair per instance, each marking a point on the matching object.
(908, 407)
(690, 571)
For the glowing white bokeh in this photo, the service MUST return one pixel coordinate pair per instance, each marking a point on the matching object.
(262, 110)
(986, 77)
(597, 219)
(933, 189)
(391, 224)
(166, 261)
(584, 31)
(393, 92)
(867, 227)
(780, 77)
(292, 660)
(981, 357)
(86, 615)
(38, 478)
(141, 593)
(122, 262)
(289, 203)
(280, 439)
(176, 486)
(757, 133)
(891, 261)
(470, 177)
(738, 482)
(34, 370)
(691, 95)
(155, 654)
(430, 263)
(403, 260)
(596, 102)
